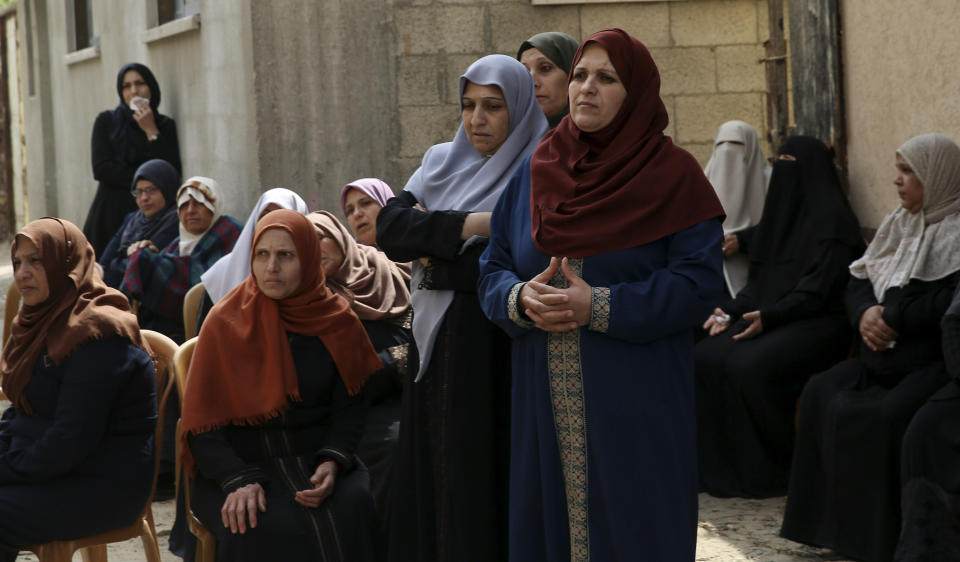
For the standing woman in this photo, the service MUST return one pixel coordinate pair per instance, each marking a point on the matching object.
(845, 478)
(271, 426)
(604, 249)
(739, 173)
(548, 56)
(124, 138)
(361, 201)
(454, 441)
(76, 446)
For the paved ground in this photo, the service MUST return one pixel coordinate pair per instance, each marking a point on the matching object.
(729, 529)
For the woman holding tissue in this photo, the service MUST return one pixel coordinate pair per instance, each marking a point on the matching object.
(123, 139)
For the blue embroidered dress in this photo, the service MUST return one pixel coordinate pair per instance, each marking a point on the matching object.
(603, 438)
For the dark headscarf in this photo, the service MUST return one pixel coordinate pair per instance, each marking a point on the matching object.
(80, 307)
(624, 185)
(559, 48)
(123, 124)
(163, 175)
(805, 207)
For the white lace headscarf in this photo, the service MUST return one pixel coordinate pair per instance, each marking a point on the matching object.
(924, 245)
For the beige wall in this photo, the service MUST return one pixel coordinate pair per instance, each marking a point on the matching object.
(707, 52)
(901, 79)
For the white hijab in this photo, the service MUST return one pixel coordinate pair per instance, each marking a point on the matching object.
(739, 174)
(207, 192)
(924, 245)
(233, 268)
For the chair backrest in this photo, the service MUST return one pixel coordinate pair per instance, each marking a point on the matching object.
(191, 303)
(164, 351)
(10, 311)
(181, 362)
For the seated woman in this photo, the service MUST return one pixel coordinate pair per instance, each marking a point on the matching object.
(739, 174)
(844, 482)
(161, 279)
(76, 446)
(361, 201)
(153, 225)
(272, 425)
(784, 326)
(377, 291)
(930, 461)
(548, 57)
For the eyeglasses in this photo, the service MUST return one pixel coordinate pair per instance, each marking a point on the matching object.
(146, 191)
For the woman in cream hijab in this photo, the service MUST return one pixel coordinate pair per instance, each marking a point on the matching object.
(739, 173)
(846, 462)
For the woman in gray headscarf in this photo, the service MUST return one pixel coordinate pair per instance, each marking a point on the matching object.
(845, 480)
(454, 439)
(548, 57)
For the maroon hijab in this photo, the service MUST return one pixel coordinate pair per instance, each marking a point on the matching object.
(624, 185)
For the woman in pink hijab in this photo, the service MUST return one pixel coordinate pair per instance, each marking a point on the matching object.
(361, 201)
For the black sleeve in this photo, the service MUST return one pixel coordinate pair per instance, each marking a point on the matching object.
(460, 274)
(745, 239)
(918, 307)
(167, 146)
(817, 289)
(406, 234)
(392, 338)
(216, 460)
(205, 305)
(951, 343)
(744, 302)
(347, 421)
(858, 297)
(114, 258)
(107, 169)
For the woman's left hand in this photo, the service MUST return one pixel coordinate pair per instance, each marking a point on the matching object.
(137, 246)
(323, 479)
(754, 329)
(145, 118)
(578, 302)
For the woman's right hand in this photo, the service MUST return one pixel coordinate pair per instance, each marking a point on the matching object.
(242, 505)
(874, 331)
(145, 118)
(549, 309)
(731, 245)
(713, 325)
(139, 245)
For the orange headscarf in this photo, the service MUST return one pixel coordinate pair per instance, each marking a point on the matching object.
(242, 371)
(81, 307)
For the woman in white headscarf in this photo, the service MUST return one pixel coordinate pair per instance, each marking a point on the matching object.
(454, 438)
(845, 481)
(739, 173)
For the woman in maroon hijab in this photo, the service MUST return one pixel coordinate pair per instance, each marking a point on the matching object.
(604, 250)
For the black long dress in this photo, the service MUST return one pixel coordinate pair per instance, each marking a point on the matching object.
(117, 148)
(449, 493)
(747, 390)
(281, 454)
(930, 464)
(845, 479)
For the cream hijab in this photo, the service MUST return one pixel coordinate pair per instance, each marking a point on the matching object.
(924, 245)
(206, 192)
(739, 174)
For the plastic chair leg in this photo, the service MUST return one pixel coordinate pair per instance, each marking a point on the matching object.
(96, 553)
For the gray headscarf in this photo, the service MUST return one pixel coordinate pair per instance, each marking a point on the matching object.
(559, 48)
(455, 176)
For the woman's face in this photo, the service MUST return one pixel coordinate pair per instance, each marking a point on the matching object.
(149, 197)
(29, 274)
(596, 92)
(909, 187)
(331, 258)
(195, 217)
(549, 81)
(276, 264)
(361, 211)
(485, 117)
(133, 85)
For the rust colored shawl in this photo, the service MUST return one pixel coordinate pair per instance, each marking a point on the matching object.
(376, 286)
(80, 308)
(242, 371)
(624, 185)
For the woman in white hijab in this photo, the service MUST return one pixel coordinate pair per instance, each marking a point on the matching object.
(845, 481)
(739, 173)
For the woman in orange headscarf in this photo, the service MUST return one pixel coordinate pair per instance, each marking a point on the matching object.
(76, 446)
(274, 409)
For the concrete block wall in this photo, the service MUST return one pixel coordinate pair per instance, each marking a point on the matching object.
(707, 51)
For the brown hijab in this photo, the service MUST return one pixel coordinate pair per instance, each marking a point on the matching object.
(80, 308)
(377, 286)
(242, 371)
(624, 185)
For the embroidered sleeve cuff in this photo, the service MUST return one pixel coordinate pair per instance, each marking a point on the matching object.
(600, 309)
(514, 310)
(346, 462)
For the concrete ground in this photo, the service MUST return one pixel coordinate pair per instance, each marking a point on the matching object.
(729, 529)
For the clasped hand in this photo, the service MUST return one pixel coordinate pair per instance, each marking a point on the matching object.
(874, 331)
(719, 321)
(553, 309)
